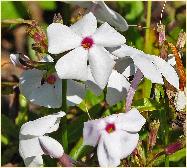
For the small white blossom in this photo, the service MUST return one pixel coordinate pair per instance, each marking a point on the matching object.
(117, 87)
(33, 142)
(87, 42)
(153, 67)
(46, 89)
(116, 136)
(103, 13)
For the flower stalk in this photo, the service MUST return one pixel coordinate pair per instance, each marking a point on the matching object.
(137, 77)
(64, 108)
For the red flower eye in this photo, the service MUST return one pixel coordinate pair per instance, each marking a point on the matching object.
(51, 79)
(110, 128)
(87, 42)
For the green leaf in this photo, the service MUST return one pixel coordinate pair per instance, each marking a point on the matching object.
(136, 9)
(4, 139)
(22, 115)
(8, 10)
(8, 128)
(146, 104)
(159, 92)
(80, 150)
(47, 5)
(178, 155)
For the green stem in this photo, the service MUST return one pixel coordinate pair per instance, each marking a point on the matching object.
(166, 140)
(64, 108)
(148, 48)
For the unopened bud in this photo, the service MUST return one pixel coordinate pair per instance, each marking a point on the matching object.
(65, 160)
(181, 40)
(38, 35)
(154, 126)
(172, 148)
(161, 31)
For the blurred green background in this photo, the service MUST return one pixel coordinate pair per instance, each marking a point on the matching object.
(15, 110)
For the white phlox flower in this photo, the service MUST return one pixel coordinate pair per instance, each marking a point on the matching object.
(46, 89)
(152, 67)
(117, 87)
(103, 13)
(116, 136)
(86, 43)
(33, 141)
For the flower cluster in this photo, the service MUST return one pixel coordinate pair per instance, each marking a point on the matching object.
(95, 58)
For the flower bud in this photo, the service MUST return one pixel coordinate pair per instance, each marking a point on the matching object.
(57, 18)
(154, 126)
(161, 31)
(172, 148)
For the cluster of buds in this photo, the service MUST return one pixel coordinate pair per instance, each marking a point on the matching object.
(181, 40)
(138, 157)
(39, 37)
(57, 18)
(153, 127)
(161, 31)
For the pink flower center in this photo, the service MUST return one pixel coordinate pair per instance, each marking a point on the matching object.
(110, 127)
(51, 79)
(87, 42)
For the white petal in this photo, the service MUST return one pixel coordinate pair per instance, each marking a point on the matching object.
(85, 26)
(92, 131)
(128, 142)
(91, 84)
(75, 92)
(29, 80)
(31, 88)
(46, 96)
(73, 65)
(108, 150)
(167, 71)
(29, 147)
(117, 88)
(142, 61)
(34, 161)
(101, 65)
(61, 38)
(131, 121)
(107, 36)
(53, 148)
(105, 14)
(42, 125)
(125, 51)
